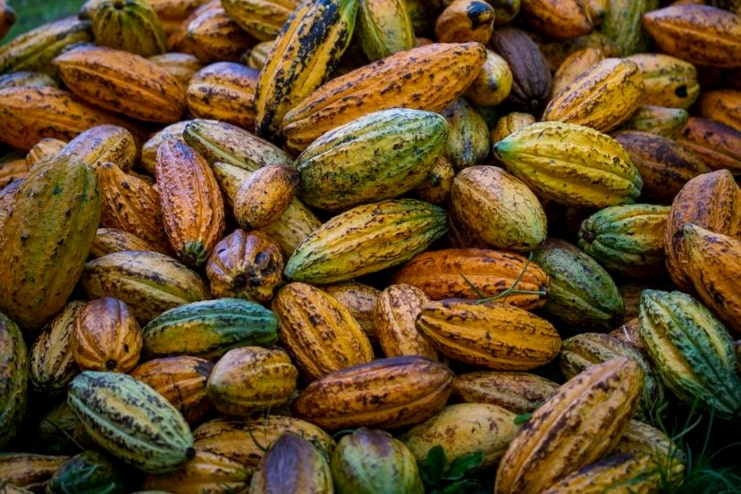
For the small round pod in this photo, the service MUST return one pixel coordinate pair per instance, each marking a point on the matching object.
(251, 379)
(265, 195)
(107, 336)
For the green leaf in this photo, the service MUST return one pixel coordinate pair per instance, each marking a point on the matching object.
(463, 465)
(432, 468)
(464, 487)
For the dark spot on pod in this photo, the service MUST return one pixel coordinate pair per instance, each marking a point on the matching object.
(190, 453)
(681, 91)
(239, 282)
(480, 13)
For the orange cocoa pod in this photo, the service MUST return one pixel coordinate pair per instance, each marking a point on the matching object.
(476, 273)
(107, 336)
(320, 333)
(711, 201)
(245, 265)
(191, 201)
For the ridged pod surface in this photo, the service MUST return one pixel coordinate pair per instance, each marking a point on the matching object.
(321, 334)
(558, 20)
(384, 27)
(659, 120)
(46, 239)
(722, 105)
(700, 34)
(372, 460)
(130, 25)
(213, 36)
(384, 393)
(531, 75)
(622, 25)
(718, 144)
(582, 293)
(465, 428)
(26, 78)
(427, 77)
(209, 328)
(641, 438)
(498, 207)
(396, 310)
(131, 204)
(306, 51)
(639, 472)
(182, 380)
(131, 420)
(491, 335)
(245, 265)
(576, 426)
(149, 282)
(711, 201)
(223, 91)
(149, 147)
(574, 65)
(205, 472)
(580, 351)
(472, 273)
(89, 470)
(193, 212)
(468, 142)
(122, 82)
(47, 111)
(712, 256)
(602, 97)
(104, 143)
(221, 141)
(309, 467)
(691, 350)
(181, 65)
(251, 379)
(14, 377)
(519, 392)
(627, 239)
(377, 156)
(246, 440)
(366, 239)
(360, 299)
(52, 363)
(34, 49)
(107, 336)
(664, 165)
(265, 195)
(262, 19)
(109, 240)
(27, 469)
(571, 164)
(667, 81)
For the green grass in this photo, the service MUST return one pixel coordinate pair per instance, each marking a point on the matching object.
(33, 13)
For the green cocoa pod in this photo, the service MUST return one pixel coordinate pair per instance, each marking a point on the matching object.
(583, 295)
(691, 350)
(131, 420)
(371, 461)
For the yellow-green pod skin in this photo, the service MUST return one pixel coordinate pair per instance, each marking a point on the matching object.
(129, 25)
(306, 52)
(384, 27)
(378, 156)
(627, 239)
